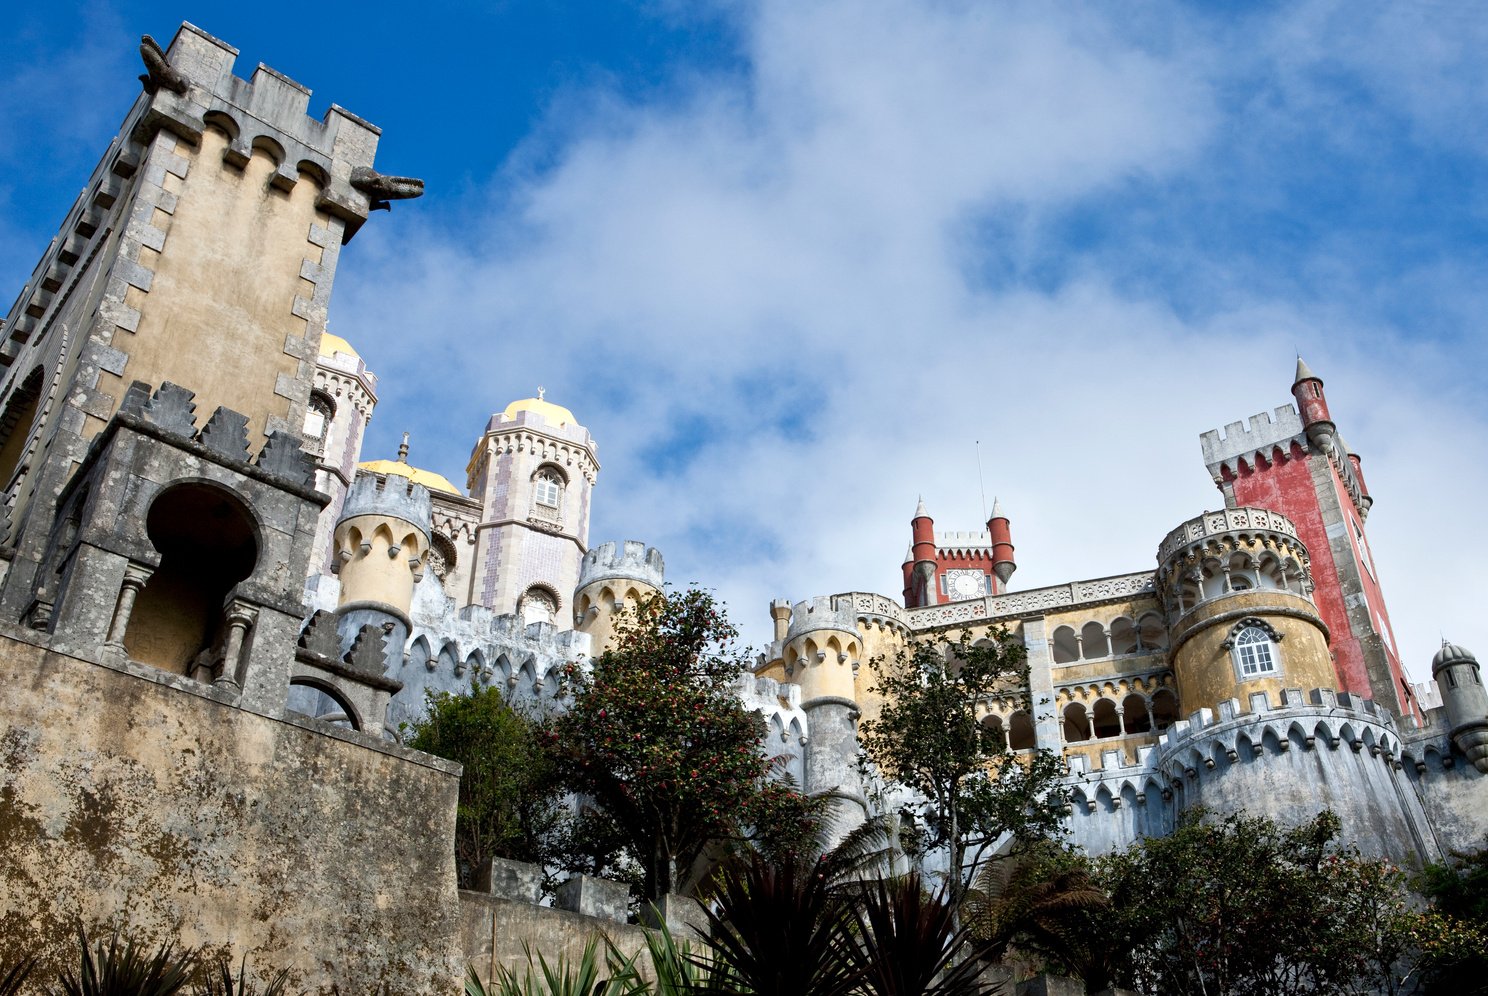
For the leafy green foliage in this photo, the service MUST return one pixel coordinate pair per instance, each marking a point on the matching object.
(657, 740)
(219, 980)
(508, 802)
(928, 739)
(1456, 947)
(14, 975)
(587, 976)
(1244, 906)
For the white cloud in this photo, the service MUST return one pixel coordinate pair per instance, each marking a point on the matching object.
(757, 299)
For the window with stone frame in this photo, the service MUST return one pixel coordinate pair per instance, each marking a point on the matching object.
(318, 416)
(1255, 652)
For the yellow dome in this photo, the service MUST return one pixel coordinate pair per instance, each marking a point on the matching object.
(555, 414)
(330, 345)
(429, 479)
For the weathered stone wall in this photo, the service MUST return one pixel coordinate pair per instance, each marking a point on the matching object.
(495, 931)
(141, 798)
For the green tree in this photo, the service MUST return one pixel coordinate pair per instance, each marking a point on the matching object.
(656, 738)
(927, 738)
(1243, 905)
(508, 802)
(1457, 953)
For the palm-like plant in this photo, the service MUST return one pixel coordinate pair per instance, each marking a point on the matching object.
(127, 969)
(1040, 900)
(220, 981)
(909, 944)
(779, 930)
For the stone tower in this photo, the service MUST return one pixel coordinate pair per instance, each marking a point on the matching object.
(613, 577)
(532, 470)
(822, 652)
(1293, 461)
(1240, 614)
(201, 252)
(341, 404)
(1460, 681)
(957, 566)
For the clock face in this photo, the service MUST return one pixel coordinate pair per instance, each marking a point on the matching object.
(965, 584)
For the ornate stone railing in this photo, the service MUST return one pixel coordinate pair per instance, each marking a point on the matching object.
(1224, 521)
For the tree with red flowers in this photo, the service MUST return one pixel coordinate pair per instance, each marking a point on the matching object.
(657, 740)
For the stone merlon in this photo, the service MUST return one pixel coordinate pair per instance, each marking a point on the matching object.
(1265, 431)
(833, 612)
(390, 495)
(266, 112)
(632, 561)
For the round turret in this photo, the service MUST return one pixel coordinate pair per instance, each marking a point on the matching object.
(1237, 590)
(381, 545)
(1000, 530)
(822, 648)
(1312, 405)
(1460, 681)
(613, 576)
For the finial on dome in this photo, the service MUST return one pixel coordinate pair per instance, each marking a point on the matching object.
(1304, 372)
(920, 508)
(403, 449)
(540, 393)
(997, 508)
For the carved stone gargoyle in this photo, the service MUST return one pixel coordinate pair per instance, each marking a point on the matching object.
(159, 74)
(382, 189)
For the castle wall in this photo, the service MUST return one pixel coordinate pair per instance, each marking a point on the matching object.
(144, 799)
(232, 231)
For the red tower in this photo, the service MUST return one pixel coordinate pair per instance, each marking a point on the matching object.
(1294, 462)
(955, 566)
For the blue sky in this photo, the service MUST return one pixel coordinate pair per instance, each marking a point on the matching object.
(788, 259)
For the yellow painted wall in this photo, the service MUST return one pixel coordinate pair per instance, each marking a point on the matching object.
(374, 575)
(1205, 671)
(218, 312)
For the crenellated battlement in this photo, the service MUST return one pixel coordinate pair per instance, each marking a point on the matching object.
(170, 412)
(631, 560)
(388, 494)
(1240, 441)
(824, 612)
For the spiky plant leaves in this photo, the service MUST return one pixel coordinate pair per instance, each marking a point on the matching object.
(908, 943)
(127, 969)
(779, 930)
(14, 976)
(218, 980)
(563, 977)
(473, 984)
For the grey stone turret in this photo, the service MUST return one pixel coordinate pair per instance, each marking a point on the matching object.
(831, 612)
(391, 495)
(1460, 681)
(631, 561)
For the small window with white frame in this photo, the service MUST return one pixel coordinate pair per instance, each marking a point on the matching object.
(1253, 645)
(547, 488)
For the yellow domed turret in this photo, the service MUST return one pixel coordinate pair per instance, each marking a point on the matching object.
(555, 414)
(330, 345)
(401, 467)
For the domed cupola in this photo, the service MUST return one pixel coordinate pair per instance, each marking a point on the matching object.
(1460, 681)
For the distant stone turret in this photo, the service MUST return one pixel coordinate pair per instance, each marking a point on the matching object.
(1460, 680)
(381, 542)
(612, 577)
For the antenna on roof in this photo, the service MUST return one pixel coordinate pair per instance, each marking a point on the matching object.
(981, 480)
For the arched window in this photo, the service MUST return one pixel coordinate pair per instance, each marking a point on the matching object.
(208, 543)
(1255, 652)
(16, 422)
(537, 605)
(547, 488)
(318, 418)
(316, 702)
